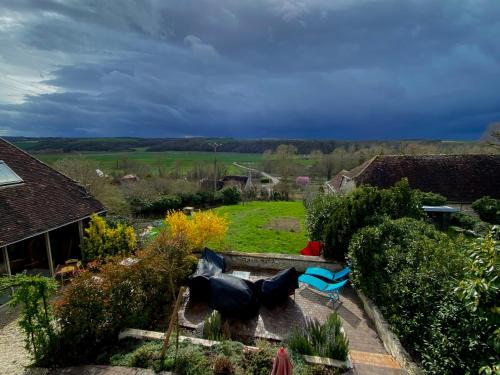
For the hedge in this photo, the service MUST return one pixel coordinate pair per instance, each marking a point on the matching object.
(411, 270)
(164, 203)
(335, 219)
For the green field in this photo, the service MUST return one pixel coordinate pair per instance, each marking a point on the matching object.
(108, 161)
(265, 227)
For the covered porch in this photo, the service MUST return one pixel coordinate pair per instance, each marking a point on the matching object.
(42, 253)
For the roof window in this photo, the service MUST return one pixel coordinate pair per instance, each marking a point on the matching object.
(7, 175)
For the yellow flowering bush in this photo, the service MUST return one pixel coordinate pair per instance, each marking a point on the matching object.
(102, 241)
(202, 228)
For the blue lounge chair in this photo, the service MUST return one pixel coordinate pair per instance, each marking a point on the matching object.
(333, 290)
(329, 275)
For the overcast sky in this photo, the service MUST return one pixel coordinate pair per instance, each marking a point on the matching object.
(346, 69)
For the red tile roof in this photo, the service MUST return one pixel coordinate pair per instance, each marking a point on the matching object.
(45, 199)
(460, 178)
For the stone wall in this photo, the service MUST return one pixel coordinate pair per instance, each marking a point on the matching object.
(236, 260)
(390, 340)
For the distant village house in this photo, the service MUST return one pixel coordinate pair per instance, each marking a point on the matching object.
(242, 182)
(460, 178)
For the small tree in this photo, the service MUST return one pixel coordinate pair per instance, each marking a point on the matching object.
(302, 181)
(230, 195)
(32, 294)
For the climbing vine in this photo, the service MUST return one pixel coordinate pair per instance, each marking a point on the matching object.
(32, 294)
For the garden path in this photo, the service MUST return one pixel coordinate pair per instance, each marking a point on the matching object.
(368, 354)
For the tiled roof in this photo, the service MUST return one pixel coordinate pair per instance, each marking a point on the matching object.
(460, 178)
(336, 181)
(44, 200)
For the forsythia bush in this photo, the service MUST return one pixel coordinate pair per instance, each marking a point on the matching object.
(197, 231)
(102, 241)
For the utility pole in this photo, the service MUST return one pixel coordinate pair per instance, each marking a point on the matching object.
(215, 145)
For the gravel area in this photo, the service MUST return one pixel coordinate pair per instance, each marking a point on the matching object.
(13, 357)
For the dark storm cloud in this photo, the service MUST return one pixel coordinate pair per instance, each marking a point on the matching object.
(265, 68)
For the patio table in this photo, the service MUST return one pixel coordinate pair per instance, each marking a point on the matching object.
(245, 275)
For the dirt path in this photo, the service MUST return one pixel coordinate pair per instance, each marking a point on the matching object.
(273, 179)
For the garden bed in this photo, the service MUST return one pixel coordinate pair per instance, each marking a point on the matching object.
(227, 357)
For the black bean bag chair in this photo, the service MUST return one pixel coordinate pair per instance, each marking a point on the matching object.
(209, 265)
(233, 297)
(275, 291)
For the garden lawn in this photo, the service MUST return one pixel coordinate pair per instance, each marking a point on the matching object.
(265, 227)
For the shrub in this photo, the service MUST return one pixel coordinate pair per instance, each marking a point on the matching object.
(145, 355)
(455, 341)
(192, 361)
(363, 206)
(298, 341)
(230, 195)
(482, 228)
(324, 340)
(222, 365)
(480, 290)
(431, 199)
(95, 307)
(318, 214)
(113, 220)
(202, 228)
(410, 270)
(463, 220)
(212, 328)
(260, 362)
(102, 241)
(402, 265)
(488, 209)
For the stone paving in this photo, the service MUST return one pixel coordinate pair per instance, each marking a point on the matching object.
(367, 351)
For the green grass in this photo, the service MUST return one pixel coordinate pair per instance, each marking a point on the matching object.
(249, 232)
(186, 159)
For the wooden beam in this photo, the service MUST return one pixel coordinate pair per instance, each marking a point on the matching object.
(80, 233)
(173, 320)
(49, 253)
(6, 260)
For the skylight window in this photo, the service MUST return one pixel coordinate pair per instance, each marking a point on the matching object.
(7, 175)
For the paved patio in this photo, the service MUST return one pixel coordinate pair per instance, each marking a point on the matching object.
(367, 351)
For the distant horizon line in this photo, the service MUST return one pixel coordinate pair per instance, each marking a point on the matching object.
(250, 139)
